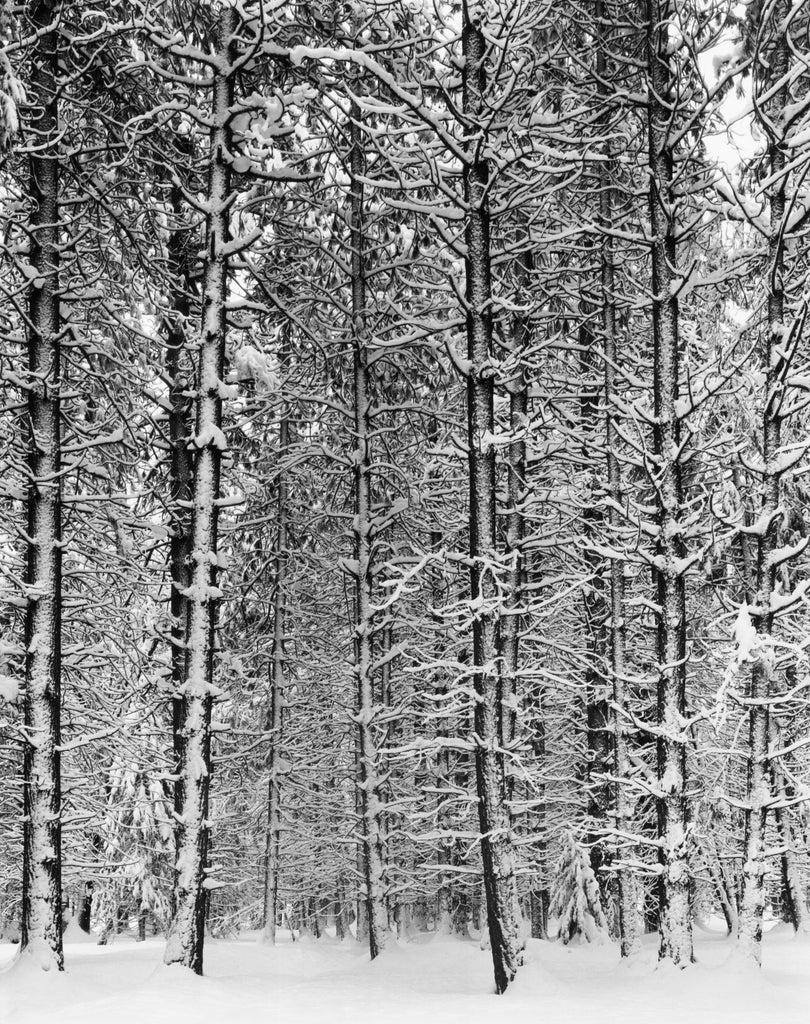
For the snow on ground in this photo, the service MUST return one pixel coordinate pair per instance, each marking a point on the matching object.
(428, 980)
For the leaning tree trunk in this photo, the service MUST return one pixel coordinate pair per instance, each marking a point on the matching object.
(186, 936)
(503, 915)
(277, 677)
(666, 474)
(42, 805)
(765, 567)
(368, 758)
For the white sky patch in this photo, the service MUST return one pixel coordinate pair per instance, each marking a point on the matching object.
(735, 143)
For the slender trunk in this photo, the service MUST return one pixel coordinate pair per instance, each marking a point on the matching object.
(719, 881)
(369, 780)
(41, 935)
(759, 795)
(181, 468)
(342, 915)
(666, 473)
(540, 898)
(513, 620)
(794, 908)
(630, 941)
(275, 721)
(595, 609)
(386, 640)
(187, 933)
(446, 853)
(503, 914)
(629, 938)
(85, 916)
(792, 887)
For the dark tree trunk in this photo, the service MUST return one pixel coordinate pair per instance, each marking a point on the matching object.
(616, 627)
(794, 907)
(41, 933)
(370, 802)
(595, 612)
(187, 933)
(773, 365)
(178, 372)
(667, 483)
(503, 913)
(85, 915)
(275, 718)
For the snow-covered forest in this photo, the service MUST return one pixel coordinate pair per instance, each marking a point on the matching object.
(404, 522)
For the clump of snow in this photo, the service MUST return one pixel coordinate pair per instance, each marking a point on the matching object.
(251, 364)
(9, 689)
(747, 648)
(211, 434)
(746, 638)
(12, 96)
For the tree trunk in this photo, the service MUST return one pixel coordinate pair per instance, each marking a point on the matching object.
(719, 881)
(513, 620)
(41, 933)
(368, 756)
(503, 913)
(181, 468)
(444, 854)
(617, 630)
(666, 473)
(187, 933)
(793, 900)
(85, 915)
(277, 675)
(595, 613)
(629, 939)
(772, 366)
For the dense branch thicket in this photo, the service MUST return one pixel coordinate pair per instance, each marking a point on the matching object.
(403, 450)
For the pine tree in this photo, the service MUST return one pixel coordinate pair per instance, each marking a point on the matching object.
(575, 898)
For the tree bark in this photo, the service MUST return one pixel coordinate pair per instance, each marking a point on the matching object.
(275, 721)
(369, 781)
(772, 366)
(85, 913)
(616, 627)
(666, 473)
(41, 933)
(187, 933)
(595, 611)
(719, 881)
(503, 914)
(181, 466)
(514, 618)
(793, 899)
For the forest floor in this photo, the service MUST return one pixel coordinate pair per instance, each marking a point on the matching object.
(430, 979)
